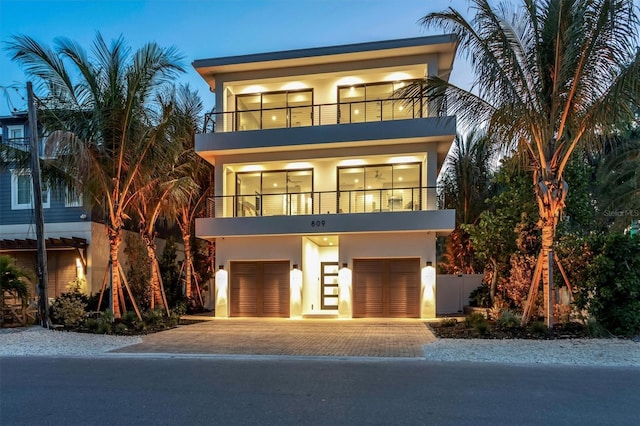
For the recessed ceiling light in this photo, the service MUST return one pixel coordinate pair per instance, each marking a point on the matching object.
(369, 187)
(356, 112)
(400, 107)
(324, 239)
(400, 178)
(357, 180)
(330, 244)
(273, 117)
(275, 184)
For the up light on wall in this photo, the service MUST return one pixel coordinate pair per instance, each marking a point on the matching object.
(428, 305)
(344, 292)
(222, 292)
(295, 280)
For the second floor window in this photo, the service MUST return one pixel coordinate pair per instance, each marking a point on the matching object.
(273, 193)
(274, 110)
(21, 187)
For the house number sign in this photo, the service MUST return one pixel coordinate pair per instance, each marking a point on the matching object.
(317, 223)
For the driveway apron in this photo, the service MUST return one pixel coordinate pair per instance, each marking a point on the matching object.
(309, 337)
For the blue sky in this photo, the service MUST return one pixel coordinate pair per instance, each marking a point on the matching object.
(210, 28)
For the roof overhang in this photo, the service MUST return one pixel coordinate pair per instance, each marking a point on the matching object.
(209, 68)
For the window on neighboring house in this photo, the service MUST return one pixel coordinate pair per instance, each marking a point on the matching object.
(72, 198)
(21, 197)
(16, 137)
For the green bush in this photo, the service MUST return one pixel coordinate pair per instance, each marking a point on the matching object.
(480, 297)
(509, 319)
(483, 327)
(611, 291)
(538, 328)
(474, 318)
(69, 309)
(448, 322)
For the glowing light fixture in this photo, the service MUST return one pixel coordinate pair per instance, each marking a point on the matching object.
(295, 280)
(400, 178)
(222, 286)
(356, 111)
(273, 117)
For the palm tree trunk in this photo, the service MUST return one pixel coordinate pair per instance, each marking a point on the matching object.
(156, 295)
(547, 280)
(494, 281)
(188, 261)
(115, 239)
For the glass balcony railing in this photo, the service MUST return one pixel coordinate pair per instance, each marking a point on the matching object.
(324, 202)
(318, 115)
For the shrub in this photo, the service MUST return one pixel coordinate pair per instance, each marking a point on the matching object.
(448, 322)
(483, 327)
(69, 309)
(480, 297)
(612, 290)
(121, 328)
(538, 328)
(509, 319)
(595, 329)
(474, 318)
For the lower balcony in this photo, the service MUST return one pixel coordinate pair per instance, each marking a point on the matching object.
(324, 202)
(361, 211)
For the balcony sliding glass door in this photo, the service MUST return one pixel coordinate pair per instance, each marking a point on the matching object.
(376, 102)
(273, 110)
(274, 193)
(376, 188)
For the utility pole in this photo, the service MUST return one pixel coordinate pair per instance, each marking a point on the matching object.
(43, 305)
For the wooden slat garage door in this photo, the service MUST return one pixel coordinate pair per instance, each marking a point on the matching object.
(260, 289)
(386, 288)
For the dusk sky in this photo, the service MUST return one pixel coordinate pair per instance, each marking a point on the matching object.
(211, 28)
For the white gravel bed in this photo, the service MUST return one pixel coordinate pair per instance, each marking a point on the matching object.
(583, 352)
(38, 341)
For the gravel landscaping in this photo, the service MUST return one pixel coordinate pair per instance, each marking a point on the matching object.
(36, 341)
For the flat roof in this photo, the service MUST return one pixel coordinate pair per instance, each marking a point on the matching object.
(208, 68)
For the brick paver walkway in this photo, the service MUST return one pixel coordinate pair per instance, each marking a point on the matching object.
(308, 337)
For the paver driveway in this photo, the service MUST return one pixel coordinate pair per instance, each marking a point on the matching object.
(308, 337)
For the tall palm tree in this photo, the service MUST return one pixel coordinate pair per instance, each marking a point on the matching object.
(187, 115)
(548, 76)
(105, 125)
(465, 187)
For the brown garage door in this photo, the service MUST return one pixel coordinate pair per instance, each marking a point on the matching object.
(386, 288)
(260, 289)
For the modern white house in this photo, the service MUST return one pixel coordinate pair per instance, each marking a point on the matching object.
(325, 180)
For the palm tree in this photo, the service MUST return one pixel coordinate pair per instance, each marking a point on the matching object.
(105, 125)
(465, 187)
(12, 281)
(549, 76)
(187, 116)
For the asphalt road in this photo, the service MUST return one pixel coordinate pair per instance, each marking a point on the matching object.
(190, 391)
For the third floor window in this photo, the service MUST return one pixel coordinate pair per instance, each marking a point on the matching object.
(274, 110)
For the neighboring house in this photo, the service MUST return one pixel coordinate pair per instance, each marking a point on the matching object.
(76, 246)
(325, 200)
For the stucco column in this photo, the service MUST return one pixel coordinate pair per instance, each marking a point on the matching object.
(222, 293)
